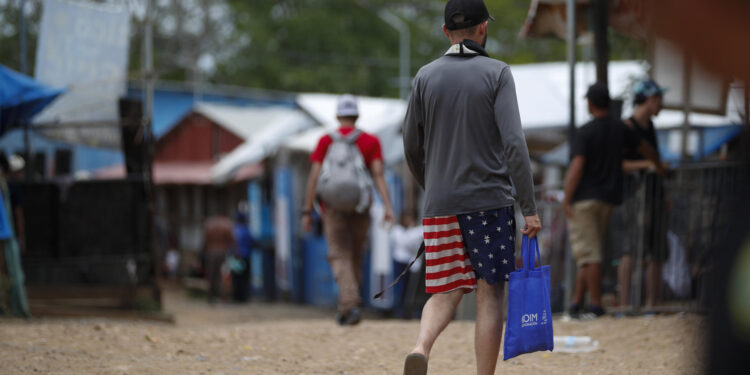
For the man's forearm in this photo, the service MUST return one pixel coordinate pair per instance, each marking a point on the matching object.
(573, 177)
(417, 170)
(519, 165)
(651, 154)
(312, 181)
(414, 153)
(378, 175)
(382, 187)
(635, 165)
(524, 181)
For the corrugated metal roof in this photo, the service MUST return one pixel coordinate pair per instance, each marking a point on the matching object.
(243, 121)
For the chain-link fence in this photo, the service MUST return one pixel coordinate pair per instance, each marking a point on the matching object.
(670, 228)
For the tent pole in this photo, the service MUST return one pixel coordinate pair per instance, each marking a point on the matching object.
(571, 54)
(601, 40)
(26, 136)
(686, 106)
(22, 21)
(148, 138)
(571, 39)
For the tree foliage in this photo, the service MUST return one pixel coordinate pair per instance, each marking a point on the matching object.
(301, 45)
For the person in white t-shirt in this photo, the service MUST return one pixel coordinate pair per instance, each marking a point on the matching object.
(406, 238)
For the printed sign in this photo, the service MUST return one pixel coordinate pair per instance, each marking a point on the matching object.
(84, 48)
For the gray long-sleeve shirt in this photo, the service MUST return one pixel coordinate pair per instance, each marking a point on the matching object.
(463, 139)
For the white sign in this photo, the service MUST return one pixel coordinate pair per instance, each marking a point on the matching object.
(708, 91)
(84, 48)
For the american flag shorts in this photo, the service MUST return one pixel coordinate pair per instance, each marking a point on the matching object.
(459, 249)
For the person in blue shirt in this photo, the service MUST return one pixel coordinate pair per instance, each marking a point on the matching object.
(241, 272)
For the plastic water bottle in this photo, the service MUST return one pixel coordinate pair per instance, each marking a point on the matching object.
(575, 344)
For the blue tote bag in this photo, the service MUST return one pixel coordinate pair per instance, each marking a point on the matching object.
(529, 322)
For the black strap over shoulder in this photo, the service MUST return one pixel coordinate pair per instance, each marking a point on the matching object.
(467, 48)
(398, 278)
(474, 46)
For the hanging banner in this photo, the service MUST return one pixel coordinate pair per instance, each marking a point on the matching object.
(84, 48)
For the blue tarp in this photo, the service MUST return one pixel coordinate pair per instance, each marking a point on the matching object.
(710, 140)
(21, 98)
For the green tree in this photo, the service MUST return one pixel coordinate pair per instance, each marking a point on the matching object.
(301, 45)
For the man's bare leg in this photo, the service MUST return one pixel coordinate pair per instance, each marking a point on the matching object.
(580, 288)
(437, 313)
(489, 326)
(594, 281)
(624, 277)
(653, 282)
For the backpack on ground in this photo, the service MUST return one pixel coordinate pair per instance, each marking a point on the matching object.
(344, 183)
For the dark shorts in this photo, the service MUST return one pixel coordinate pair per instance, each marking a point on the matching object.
(459, 249)
(490, 240)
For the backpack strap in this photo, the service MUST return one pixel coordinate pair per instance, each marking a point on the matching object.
(349, 138)
(353, 136)
(335, 136)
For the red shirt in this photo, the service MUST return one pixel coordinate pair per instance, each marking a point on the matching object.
(368, 145)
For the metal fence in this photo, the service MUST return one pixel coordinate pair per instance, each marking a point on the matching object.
(680, 220)
(86, 232)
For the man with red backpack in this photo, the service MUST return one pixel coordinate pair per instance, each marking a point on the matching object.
(345, 166)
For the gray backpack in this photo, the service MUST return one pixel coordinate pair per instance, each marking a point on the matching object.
(345, 183)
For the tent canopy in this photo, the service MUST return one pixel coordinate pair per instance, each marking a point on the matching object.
(543, 97)
(266, 130)
(21, 98)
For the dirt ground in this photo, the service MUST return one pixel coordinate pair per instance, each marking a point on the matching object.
(292, 339)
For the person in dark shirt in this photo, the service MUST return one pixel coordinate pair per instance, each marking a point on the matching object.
(243, 250)
(593, 186)
(648, 102)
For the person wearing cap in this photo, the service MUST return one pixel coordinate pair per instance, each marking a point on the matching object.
(218, 243)
(593, 185)
(648, 103)
(346, 232)
(464, 145)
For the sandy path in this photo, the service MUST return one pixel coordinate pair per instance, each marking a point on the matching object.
(290, 339)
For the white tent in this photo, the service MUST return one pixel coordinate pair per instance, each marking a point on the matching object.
(542, 91)
(263, 129)
(543, 95)
(379, 116)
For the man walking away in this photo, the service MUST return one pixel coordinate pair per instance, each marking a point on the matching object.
(464, 145)
(344, 166)
(593, 185)
(218, 243)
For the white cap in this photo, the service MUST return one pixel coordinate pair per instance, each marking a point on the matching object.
(347, 106)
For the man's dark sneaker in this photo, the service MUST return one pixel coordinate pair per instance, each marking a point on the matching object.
(596, 310)
(341, 318)
(574, 311)
(353, 317)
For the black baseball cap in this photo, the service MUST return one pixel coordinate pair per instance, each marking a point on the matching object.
(474, 12)
(598, 95)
